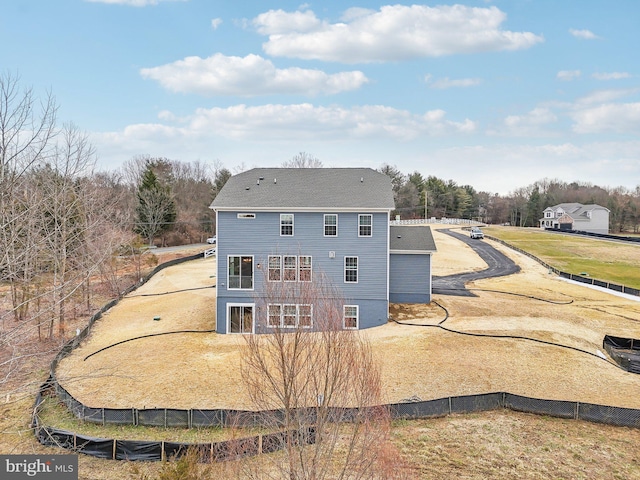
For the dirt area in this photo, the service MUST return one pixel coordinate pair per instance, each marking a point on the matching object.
(202, 370)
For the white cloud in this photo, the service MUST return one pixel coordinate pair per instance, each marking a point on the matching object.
(446, 82)
(583, 34)
(568, 75)
(395, 32)
(529, 125)
(354, 13)
(134, 3)
(297, 122)
(605, 96)
(279, 22)
(608, 118)
(215, 23)
(248, 76)
(611, 76)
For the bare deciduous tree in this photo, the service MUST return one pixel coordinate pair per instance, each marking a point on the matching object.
(303, 160)
(311, 377)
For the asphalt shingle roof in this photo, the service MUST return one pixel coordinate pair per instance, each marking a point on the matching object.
(411, 238)
(306, 188)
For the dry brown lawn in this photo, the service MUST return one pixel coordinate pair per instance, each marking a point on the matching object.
(202, 370)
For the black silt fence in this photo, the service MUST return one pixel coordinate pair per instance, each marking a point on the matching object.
(423, 409)
(119, 416)
(207, 418)
(553, 408)
(476, 403)
(96, 447)
(628, 417)
(138, 450)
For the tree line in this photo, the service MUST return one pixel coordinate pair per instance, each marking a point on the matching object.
(420, 197)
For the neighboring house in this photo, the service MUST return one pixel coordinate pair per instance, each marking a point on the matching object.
(575, 216)
(289, 224)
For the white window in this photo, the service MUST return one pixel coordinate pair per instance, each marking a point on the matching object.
(295, 268)
(304, 268)
(246, 216)
(290, 268)
(305, 318)
(331, 225)
(548, 214)
(240, 318)
(350, 316)
(351, 269)
(240, 272)
(289, 316)
(286, 224)
(275, 268)
(274, 315)
(365, 225)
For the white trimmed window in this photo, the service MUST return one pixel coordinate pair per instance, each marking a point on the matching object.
(351, 269)
(365, 225)
(350, 316)
(290, 268)
(275, 268)
(289, 316)
(331, 225)
(286, 224)
(305, 318)
(274, 315)
(295, 268)
(240, 272)
(304, 268)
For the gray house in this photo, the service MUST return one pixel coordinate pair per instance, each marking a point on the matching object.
(576, 216)
(298, 224)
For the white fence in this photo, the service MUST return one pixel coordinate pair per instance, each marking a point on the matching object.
(437, 221)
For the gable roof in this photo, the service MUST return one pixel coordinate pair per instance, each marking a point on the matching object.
(306, 188)
(411, 239)
(576, 210)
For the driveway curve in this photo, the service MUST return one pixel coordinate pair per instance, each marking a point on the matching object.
(499, 266)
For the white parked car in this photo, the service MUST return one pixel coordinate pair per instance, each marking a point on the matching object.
(212, 240)
(476, 233)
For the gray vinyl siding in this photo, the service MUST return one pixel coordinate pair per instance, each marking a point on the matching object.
(410, 278)
(260, 237)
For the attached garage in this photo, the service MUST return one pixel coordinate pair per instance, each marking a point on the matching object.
(410, 248)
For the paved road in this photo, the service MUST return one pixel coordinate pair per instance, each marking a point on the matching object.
(499, 266)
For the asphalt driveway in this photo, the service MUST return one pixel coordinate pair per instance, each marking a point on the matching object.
(499, 266)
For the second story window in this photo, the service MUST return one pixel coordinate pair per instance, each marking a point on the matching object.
(331, 225)
(293, 269)
(351, 269)
(286, 224)
(304, 268)
(365, 224)
(275, 268)
(290, 268)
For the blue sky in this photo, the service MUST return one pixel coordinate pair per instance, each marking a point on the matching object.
(495, 94)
